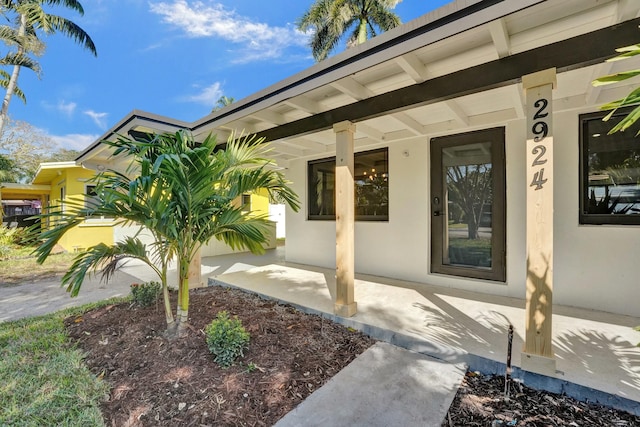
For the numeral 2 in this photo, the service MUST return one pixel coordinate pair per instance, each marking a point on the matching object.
(539, 150)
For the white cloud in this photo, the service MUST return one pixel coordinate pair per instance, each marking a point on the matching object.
(255, 40)
(74, 141)
(208, 96)
(66, 108)
(100, 119)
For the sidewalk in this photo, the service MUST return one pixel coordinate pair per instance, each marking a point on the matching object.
(596, 353)
(46, 296)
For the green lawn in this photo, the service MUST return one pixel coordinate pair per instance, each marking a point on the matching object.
(20, 266)
(43, 380)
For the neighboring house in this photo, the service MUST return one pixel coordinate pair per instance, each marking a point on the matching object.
(467, 169)
(56, 183)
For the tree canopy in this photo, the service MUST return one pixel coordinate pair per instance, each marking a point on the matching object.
(330, 20)
(183, 193)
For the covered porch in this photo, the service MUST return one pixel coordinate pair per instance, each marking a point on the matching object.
(596, 353)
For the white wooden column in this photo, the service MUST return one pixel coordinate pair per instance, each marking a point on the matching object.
(537, 355)
(345, 304)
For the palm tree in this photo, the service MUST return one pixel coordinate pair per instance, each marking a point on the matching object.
(331, 19)
(31, 17)
(222, 102)
(184, 195)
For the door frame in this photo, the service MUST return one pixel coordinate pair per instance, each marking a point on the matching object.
(497, 271)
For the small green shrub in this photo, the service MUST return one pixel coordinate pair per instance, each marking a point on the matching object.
(226, 339)
(145, 294)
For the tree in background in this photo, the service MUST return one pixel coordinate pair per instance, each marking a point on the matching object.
(26, 147)
(183, 193)
(330, 20)
(29, 18)
(222, 102)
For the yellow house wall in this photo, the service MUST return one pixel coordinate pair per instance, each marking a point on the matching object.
(260, 203)
(93, 231)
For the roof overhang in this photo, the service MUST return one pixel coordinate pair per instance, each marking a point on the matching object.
(457, 67)
(48, 171)
(12, 191)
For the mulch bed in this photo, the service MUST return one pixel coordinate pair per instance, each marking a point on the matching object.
(480, 403)
(159, 382)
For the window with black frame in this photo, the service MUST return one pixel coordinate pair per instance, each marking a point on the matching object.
(371, 181)
(609, 171)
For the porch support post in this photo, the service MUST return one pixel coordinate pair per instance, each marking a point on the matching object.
(345, 304)
(537, 355)
(195, 271)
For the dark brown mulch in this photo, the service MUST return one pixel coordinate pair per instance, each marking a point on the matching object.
(480, 402)
(157, 382)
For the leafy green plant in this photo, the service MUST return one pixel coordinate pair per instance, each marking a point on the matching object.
(226, 339)
(182, 192)
(633, 98)
(145, 294)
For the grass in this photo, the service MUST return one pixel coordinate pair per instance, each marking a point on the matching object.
(43, 380)
(21, 266)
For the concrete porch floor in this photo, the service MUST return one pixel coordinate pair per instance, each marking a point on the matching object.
(593, 349)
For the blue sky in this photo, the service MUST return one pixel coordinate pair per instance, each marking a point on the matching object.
(173, 57)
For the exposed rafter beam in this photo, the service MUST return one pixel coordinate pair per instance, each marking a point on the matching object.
(627, 9)
(500, 37)
(240, 127)
(518, 100)
(270, 117)
(349, 86)
(371, 132)
(458, 113)
(593, 92)
(410, 123)
(305, 104)
(412, 65)
(576, 52)
(278, 146)
(306, 144)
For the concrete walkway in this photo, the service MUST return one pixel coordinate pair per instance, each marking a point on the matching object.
(596, 354)
(46, 296)
(385, 386)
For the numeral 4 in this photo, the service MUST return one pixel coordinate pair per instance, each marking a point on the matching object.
(538, 180)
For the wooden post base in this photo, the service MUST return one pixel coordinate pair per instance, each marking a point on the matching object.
(345, 310)
(538, 364)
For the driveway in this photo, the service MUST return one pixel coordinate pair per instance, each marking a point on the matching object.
(46, 296)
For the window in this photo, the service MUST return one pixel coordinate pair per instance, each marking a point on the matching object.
(246, 203)
(609, 171)
(91, 197)
(371, 179)
(62, 196)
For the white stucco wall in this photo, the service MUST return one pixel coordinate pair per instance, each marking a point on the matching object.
(595, 266)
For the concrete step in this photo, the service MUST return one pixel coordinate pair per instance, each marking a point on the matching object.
(384, 386)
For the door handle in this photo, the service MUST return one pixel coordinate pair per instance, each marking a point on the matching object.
(436, 213)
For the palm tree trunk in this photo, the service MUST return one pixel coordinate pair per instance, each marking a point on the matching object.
(13, 81)
(183, 291)
(362, 31)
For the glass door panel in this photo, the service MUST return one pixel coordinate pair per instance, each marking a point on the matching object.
(468, 199)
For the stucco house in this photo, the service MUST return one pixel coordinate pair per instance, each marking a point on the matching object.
(57, 183)
(464, 149)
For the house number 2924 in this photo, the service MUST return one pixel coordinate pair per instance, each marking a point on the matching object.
(540, 129)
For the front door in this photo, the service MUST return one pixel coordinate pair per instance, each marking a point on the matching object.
(468, 205)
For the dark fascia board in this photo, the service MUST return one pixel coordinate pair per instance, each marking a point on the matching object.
(379, 49)
(573, 53)
(149, 118)
(373, 51)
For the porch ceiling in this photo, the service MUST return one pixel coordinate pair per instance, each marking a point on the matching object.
(362, 82)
